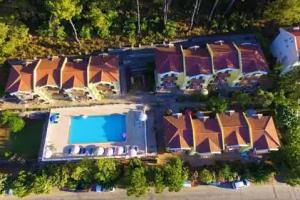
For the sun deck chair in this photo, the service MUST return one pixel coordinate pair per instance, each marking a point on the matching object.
(82, 151)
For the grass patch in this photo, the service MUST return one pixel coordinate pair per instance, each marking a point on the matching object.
(26, 143)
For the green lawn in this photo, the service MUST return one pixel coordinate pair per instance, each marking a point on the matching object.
(26, 143)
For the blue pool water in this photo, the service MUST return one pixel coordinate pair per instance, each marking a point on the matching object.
(97, 129)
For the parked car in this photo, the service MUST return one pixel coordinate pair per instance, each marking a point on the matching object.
(240, 184)
(100, 188)
(187, 184)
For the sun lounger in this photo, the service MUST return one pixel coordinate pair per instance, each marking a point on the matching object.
(82, 150)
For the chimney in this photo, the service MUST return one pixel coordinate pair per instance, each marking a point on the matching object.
(61, 72)
(183, 61)
(220, 42)
(204, 118)
(230, 112)
(259, 116)
(177, 115)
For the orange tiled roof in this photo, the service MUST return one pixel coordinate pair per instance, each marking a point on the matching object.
(207, 135)
(224, 56)
(197, 62)
(253, 58)
(178, 132)
(48, 71)
(264, 133)
(168, 59)
(104, 69)
(21, 78)
(74, 74)
(235, 129)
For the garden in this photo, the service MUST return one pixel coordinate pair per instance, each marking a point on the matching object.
(20, 138)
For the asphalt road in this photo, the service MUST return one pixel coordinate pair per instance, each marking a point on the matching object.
(254, 192)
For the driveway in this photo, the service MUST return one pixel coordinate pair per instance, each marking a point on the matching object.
(261, 192)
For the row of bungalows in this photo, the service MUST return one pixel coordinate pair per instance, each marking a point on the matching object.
(196, 68)
(229, 131)
(61, 78)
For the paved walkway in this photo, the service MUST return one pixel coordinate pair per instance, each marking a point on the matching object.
(254, 192)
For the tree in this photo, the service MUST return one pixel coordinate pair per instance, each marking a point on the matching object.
(16, 124)
(107, 171)
(135, 178)
(261, 173)
(41, 184)
(156, 176)
(166, 5)
(12, 121)
(206, 176)
(284, 12)
(217, 104)
(264, 98)
(12, 36)
(243, 99)
(20, 185)
(286, 115)
(138, 17)
(195, 12)
(170, 29)
(175, 174)
(213, 10)
(229, 6)
(65, 10)
(101, 20)
(3, 182)
(225, 173)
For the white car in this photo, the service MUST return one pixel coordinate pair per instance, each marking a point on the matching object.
(240, 184)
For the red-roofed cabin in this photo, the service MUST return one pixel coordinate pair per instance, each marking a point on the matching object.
(21, 80)
(264, 133)
(198, 68)
(168, 62)
(208, 136)
(235, 130)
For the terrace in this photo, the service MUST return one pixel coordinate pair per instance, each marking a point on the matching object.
(57, 144)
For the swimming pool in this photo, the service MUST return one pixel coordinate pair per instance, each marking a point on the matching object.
(97, 129)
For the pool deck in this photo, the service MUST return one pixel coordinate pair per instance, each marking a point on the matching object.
(57, 134)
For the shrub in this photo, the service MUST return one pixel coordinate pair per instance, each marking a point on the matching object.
(175, 174)
(206, 176)
(12, 121)
(217, 104)
(135, 178)
(21, 184)
(261, 173)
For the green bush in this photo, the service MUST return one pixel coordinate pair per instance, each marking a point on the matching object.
(12, 121)
(206, 176)
(175, 174)
(261, 173)
(135, 178)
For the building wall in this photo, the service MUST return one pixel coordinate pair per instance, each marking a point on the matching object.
(284, 50)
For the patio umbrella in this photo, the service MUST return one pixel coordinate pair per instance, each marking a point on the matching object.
(132, 152)
(120, 150)
(75, 149)
(143, 117)
(109, 152)
(48, 153)
(100, 151)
